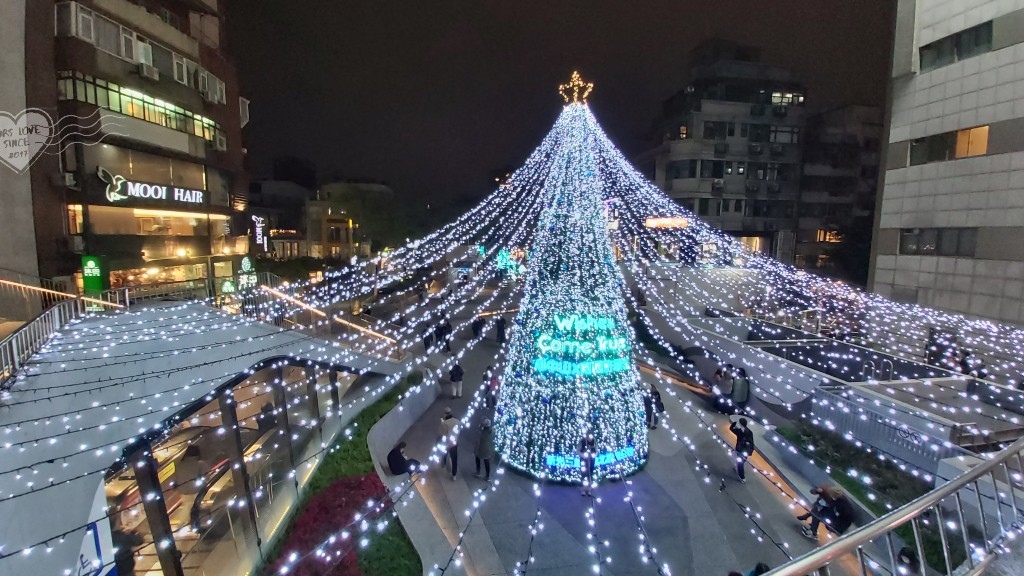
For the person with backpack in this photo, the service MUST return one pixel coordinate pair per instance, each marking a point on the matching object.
(455, 377)
(744, 445)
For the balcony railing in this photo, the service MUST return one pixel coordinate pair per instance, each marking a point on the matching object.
(979, 511)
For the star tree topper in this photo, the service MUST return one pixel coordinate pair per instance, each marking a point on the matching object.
(576, 90)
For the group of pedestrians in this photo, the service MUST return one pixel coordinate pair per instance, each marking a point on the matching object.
(442, 332)
(483, 450)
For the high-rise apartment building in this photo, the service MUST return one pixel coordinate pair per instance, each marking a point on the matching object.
(950, 225)
(730, 146)
(841, 160)
(145, 165)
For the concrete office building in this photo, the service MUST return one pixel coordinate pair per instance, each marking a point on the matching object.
(950, 225)
(155, 182)
(730, 146)
(840, 178)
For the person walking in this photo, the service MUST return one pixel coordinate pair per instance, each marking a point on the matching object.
(449, 432)
(657, 407)
(491, 382)
(744, 445)
(588, 452)
(455, 377)
(439, 334)
(648, 408)
(485, 449)
(447, 331)
(499, 327)
(478, 327)
(740, 390)
(428, 339)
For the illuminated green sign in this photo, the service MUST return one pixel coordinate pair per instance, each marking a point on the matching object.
(227, 287)
(94, 275)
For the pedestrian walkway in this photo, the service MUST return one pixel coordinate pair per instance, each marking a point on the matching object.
(701, 521)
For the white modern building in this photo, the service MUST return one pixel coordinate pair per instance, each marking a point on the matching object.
(950, 224)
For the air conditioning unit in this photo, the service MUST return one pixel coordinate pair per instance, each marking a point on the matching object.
(774, 186)
(780, 111)
(220, 143)
(776, 150)
(208, 95)
(753, 186)
(755, 148)
(717, 184)
(149, 71)
(757, 110)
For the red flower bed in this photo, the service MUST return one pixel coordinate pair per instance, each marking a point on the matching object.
(326, 514)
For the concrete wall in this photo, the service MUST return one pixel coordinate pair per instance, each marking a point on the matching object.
(418, 521)
(19, 253)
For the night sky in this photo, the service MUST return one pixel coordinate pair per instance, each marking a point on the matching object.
(433, 95)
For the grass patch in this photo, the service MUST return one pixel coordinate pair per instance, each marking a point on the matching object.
(390, 553)
(888, 484)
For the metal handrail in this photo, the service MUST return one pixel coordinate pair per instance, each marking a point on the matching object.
(815, 560)
(18, 347)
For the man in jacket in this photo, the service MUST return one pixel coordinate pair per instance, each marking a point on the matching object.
(455, 377)
(744, 445)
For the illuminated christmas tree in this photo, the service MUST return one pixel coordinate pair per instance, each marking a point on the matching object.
(570, 365)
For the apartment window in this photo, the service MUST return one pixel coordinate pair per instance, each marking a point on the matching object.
(949, 146)
(128, 44)
(741, 168)
(712, 168)
(85, 31)
(682, 132)
(703, 204)
(972, 142)
(76, 220)
(179, 70)
(784, 134)
(744, 130)
(85, 88)
(728, 168)
(737, 206)
(334, 234)
(787, 98)
(758, 132)
(718, 130)
(107, 35)
(965, 44)
(681, 169)
(957, 241)
(831, 236)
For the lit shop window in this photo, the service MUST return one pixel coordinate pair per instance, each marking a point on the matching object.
(829, 236)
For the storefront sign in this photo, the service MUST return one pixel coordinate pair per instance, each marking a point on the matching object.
(119, 190)
(247, 277)
(94, 275)
(259, 230)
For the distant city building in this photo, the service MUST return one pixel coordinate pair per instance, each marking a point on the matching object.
(731, 149)
(280, 206)
(840, 177)
(153, 181)
(951, 218)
